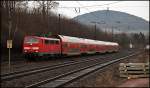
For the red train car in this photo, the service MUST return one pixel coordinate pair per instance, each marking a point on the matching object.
(57, 45)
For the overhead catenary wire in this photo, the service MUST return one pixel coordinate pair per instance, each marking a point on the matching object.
(78, 9)
(94, 22)
(88, 10)
(99, 6)
(99, 22)
(92, 5)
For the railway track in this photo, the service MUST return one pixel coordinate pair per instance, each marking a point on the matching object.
(71, 76)
(25, 65)
(17, 74)
(11, 77)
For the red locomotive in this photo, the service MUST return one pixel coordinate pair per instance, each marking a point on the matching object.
(58, 45)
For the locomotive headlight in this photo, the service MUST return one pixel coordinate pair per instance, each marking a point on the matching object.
(35, 48)
(26, 47)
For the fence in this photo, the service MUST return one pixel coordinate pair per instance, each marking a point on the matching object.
(134, 70)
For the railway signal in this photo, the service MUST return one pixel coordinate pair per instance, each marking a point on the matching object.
(9, 43)
(147, 47)
(131, 45)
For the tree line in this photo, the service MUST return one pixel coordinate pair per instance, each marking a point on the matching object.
(19, 20)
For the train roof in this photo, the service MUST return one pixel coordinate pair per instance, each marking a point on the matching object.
(43, 38)
(71, 39)
(76, 40)
(82, 40)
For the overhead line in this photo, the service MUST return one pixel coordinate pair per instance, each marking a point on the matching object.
(92, 5)
(101, 5)
(97, 7)
(88, 10)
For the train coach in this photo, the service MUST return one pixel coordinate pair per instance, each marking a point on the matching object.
(60, 45)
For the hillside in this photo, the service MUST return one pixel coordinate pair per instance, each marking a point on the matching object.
(35, 23)
(40, 22)
(119, 21)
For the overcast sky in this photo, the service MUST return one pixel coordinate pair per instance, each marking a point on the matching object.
(137, 8)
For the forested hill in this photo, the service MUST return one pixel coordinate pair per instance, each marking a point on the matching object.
(119, 21)
(18, 22)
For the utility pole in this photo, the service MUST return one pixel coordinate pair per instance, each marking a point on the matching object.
(9, 41)
(95, 30)
(105, 31)
(107, 22)
(59, 25)
(77, 11)
(112, 34)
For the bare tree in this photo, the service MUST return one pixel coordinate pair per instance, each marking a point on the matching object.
(46, 6)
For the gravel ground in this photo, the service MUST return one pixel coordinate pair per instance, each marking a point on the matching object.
(44, 75)
(109, 76)
(24, 64)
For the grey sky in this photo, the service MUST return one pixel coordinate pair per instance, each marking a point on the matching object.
(137, 8)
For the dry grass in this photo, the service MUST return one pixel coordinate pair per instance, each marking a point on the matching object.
(109, 77)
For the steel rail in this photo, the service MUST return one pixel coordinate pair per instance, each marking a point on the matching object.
(18, 74)
(66, 78)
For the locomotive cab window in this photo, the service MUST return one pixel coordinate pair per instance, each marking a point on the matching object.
(31, 40)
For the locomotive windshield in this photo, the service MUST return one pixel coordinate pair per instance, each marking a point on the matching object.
(31, 40)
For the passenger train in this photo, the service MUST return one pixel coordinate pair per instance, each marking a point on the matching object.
(60, 45)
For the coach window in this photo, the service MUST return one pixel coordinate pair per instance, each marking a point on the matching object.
(65, 45)
(83, 46)
(56, 42)
(51, 42)
(47, 41)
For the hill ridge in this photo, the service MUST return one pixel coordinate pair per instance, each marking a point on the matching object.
(119, 21)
